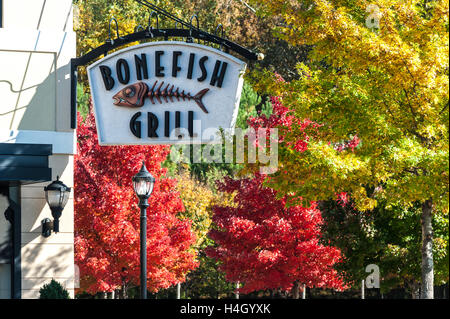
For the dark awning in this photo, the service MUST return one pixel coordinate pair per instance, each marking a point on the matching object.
(24, 163)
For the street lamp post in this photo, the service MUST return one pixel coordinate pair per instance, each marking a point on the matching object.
(143, 183)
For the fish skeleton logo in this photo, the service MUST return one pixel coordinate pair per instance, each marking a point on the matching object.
(133, 95)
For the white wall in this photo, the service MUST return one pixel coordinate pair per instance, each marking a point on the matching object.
(36, 44)
(44, 15)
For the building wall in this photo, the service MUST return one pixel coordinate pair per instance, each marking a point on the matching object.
(36, 44)
(5, 264)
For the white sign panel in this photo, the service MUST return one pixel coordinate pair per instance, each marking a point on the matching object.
(165, 93)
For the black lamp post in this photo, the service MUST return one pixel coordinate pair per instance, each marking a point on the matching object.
(143, 183)
(56, 195)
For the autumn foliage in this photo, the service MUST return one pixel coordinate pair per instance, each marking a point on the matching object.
(265, 245)
(377, 70)
(266, 241)
(107, 217)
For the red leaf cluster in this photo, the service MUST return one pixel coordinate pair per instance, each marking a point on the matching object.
(107, 217)
(287, 124)
(265, 245)
(350, 144)
(295, 133)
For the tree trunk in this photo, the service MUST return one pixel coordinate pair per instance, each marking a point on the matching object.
(296, 290)
(415, 294)
(415, 289)
(178, 290)
(123, 291)
(427, 252)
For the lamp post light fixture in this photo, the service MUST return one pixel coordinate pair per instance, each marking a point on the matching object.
(56, 195)
(143, 183)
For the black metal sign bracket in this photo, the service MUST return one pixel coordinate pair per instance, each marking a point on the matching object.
(189, 33)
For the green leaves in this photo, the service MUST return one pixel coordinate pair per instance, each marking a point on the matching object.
(388, 237)
(250, 100)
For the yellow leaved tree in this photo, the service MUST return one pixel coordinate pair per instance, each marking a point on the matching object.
(377, 72)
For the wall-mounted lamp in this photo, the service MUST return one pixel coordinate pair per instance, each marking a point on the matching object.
(56, 195)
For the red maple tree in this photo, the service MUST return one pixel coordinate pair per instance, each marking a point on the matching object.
(265, 245)
(107, 217)
(265, 242)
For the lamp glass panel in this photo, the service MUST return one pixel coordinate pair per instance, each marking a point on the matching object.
(142, 187)
(53, 197)
(65, 198)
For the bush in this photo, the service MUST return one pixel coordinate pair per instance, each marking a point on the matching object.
(53, 290)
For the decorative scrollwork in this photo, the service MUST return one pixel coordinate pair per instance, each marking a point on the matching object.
(176, 27)
(190, 39)
(109, 31)
(150, 27)
(139, 27)
(221, 35)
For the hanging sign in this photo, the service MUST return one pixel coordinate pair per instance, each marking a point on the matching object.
(168, 92)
